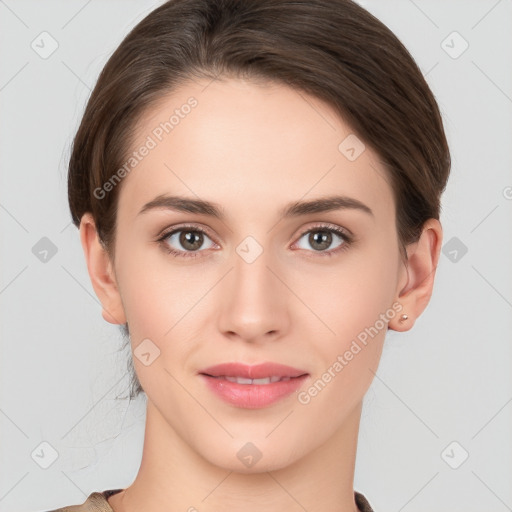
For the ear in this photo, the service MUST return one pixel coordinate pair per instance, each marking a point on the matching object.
(101, 272)
(417, 276)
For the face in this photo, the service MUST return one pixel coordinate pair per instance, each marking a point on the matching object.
(312, 289)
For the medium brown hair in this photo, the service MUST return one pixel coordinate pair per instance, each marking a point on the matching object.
(332, 49)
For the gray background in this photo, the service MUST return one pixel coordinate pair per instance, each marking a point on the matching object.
(63, 378)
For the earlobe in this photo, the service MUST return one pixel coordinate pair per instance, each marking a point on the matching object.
(101, 272)
(422, 261)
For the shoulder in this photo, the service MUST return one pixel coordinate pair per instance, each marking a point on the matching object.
(95, 502)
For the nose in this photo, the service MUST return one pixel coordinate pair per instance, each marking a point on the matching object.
(253, 300)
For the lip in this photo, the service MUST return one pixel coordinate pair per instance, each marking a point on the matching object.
(252, 396)
(258, 371)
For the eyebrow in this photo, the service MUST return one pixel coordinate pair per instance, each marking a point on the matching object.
(294, 209)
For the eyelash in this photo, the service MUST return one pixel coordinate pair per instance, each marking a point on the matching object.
(347, 240)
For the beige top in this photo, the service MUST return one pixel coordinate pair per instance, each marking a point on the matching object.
(97, 502)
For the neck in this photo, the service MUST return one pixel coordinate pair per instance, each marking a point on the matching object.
(174, 477)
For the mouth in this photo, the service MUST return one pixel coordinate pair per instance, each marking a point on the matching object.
(252, 387)
(253, 374)
(258, 382)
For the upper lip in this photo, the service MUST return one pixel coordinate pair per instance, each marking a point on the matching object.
(257, 371)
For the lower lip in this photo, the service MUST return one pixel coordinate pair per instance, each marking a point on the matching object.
(252, 396)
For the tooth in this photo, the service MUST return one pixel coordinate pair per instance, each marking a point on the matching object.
(266, 380)
(243, 380)
(262, 381)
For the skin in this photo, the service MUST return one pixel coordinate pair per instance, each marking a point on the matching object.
(253, 147)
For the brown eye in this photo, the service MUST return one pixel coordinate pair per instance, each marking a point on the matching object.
(186, 240)
(191, 240)
(322, 238)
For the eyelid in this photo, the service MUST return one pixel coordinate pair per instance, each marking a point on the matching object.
(328, 225)
(179, 227)
(343, 233)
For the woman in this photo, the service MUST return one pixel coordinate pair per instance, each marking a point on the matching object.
(257, 185)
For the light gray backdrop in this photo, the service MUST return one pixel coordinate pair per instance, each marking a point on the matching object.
(437, 422)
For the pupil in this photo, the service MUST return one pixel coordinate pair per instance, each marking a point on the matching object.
(187, 238)
(323, 238)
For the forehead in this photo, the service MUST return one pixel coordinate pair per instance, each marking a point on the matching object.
(249, 144)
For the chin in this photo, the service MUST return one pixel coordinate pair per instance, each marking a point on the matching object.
(251, 457)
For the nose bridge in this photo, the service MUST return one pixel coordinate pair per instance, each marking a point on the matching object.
(251, 271)
(253, 303)
(252, 279)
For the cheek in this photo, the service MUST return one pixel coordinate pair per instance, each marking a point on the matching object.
(154, 292)
(353, 293)
(348, 351)
(162, 303)
(353, 305)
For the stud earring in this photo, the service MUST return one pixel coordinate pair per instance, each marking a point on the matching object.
(403, 318)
